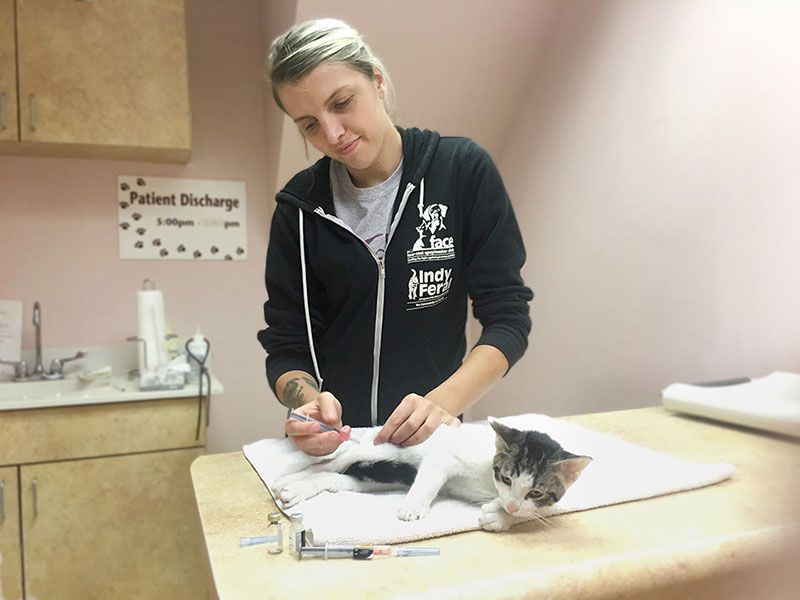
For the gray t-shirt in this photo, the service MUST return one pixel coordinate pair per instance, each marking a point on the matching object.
(365, 210)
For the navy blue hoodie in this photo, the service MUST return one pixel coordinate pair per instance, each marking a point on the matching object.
(382, 329)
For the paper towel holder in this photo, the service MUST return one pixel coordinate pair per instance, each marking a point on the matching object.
(142, 341)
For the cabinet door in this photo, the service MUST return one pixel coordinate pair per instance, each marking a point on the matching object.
(118, 527)
(106, 74)
(10, 556)
(8, 73)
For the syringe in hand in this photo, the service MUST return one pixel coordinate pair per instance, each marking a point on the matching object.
(344, 433)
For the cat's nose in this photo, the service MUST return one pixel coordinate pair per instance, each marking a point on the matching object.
(512, 507)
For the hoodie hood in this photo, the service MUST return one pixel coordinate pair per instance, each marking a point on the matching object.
(311, 189)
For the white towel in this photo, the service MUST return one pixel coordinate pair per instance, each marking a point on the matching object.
(619, 472)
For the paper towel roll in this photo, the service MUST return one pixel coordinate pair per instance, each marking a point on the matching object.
(152, 329)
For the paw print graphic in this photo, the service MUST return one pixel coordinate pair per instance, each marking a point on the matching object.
(228, 257)
(124, 205)
(214, 249)
(240, 251)
(157, 242)
(136, 216)
(181, 248)
(139, 245)
(140, 182)
(164, 252)
(124, 226)
(141, 230)
(124, 187)
(197, 254)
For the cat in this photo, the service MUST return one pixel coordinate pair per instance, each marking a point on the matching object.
(512, 473)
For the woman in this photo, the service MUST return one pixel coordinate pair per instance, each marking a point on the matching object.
(374, 251)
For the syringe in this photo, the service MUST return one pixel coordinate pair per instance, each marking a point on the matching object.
(253, 541)
(343, 433)
(363, 552)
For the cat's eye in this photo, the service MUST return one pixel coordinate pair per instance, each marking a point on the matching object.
(505, 480)
(534, 494)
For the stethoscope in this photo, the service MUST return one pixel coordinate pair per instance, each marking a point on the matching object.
(203, 373)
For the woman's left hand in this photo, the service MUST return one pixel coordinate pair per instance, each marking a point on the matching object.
(413, 421)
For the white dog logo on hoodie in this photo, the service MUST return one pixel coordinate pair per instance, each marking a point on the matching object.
(432, 242)
(432, 222)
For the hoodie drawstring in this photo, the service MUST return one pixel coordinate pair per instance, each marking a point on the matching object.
(305, 299)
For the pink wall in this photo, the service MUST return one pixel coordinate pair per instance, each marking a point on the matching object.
(58, 237)
(654, 169)
(58, 233)
(457, 67)
(648, 149)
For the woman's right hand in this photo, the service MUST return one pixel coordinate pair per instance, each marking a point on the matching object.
(307, 436)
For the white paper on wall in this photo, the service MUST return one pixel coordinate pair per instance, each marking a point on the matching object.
(182, 219)
(11, 330)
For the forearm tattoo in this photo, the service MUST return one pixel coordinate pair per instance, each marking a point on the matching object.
(293, 391)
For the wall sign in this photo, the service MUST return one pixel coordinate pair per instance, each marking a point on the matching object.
(183, 219)
(10, 331)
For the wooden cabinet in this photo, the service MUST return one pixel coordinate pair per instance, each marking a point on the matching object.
(100, 503)
(97, 79)
(8, 73)
(10, 555)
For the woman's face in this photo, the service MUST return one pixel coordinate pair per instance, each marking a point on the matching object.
(340, 111)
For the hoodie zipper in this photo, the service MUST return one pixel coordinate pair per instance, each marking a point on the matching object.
(376, 343)
(379, 302)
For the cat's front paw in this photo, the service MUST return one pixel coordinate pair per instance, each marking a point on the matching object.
(412, 511)
(285, 480)
(294, 492)
(495, 518)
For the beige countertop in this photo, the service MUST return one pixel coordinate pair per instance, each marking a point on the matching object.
(736, 539)
(71, 391)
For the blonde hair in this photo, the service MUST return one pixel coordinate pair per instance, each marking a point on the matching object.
(307, 45)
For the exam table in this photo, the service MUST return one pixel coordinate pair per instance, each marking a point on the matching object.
(736, 539)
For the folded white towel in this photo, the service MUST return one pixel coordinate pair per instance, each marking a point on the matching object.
(619, 472)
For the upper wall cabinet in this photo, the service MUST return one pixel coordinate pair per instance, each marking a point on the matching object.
(97, 79)
(8, 73)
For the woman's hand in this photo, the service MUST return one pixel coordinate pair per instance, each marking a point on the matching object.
(413, 421)
(307, 436)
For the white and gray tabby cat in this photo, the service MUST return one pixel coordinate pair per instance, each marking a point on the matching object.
(512, 473)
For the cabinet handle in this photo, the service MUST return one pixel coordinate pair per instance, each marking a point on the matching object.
(2, 121)
(2, 501)
(32, 111)
(34, 489)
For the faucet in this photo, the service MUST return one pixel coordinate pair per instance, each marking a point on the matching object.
(38, 368)
(56, 365)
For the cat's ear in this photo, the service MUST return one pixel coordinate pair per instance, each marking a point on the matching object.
(570, 468)
(505, 435)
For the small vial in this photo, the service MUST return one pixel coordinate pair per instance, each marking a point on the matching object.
(297, 534)
(275, 528)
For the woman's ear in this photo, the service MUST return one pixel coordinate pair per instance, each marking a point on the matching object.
(380, 83)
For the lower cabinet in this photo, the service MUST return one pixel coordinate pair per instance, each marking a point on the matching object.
(113, 525)
(111, 528)
(10, 555)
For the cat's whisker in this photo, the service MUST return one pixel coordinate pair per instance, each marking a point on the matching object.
(543, 520)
